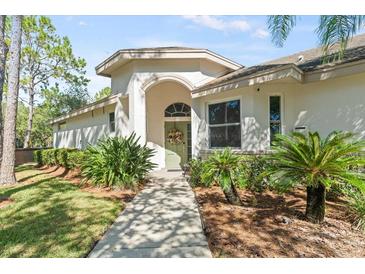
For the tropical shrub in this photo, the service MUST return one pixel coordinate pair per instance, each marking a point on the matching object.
(196, 173)
(251, 170)
(66, 157)
(37, 156)
(75, 158)
(115, 161)
(195, 170)
(49, 156)
(222, 167)
(357, 207)
(317, 164)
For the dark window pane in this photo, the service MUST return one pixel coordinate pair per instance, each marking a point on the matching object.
(178, 114)
(217, 113)
(111, 117)
(233, 111)
(225, 136)
(234, 136)
(275, 114)
(170, 109)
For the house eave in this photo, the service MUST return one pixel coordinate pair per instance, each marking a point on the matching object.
(122, 57)
(288, 71)
(87, 108)
(337, 70)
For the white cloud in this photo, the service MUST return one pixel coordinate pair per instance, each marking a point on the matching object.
(219, 23)
(83, 24)
(261, 33)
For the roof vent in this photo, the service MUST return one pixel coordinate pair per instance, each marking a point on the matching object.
(300, 59)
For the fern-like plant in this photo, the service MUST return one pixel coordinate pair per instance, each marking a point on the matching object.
(115, 161)
(222, 167)
(316, 163)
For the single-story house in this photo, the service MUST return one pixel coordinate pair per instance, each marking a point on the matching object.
(186, 102)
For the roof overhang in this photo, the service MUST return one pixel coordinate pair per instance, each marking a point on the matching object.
(122, 57)
(335, 70)
(289, 71)
(89, 107)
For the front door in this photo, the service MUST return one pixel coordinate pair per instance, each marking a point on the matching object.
(176, 149)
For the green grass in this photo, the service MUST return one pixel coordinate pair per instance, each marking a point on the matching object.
(51, 217)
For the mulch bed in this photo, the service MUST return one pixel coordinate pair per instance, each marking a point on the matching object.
(273, 225)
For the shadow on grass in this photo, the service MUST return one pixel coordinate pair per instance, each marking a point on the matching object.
(23, 179)
(53, 218)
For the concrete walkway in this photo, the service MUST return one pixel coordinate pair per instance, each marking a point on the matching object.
(162, 221)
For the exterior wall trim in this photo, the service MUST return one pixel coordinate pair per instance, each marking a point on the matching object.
(90, 107)
(157, 79)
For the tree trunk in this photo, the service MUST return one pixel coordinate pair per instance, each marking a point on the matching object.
(28, 131)
(316, 198)
(3, 52)
(232, 196)
(7, 175)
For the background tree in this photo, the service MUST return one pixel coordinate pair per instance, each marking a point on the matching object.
(46, 58)
(54, 103)
(3, 53)
(7, 175)
(332, 30)
(104, 92)
(317, 164)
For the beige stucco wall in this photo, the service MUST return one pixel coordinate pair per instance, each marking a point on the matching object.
(149, 86)
(84, 129)
(324, 106)
(158, 98)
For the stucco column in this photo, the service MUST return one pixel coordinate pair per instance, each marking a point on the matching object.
(137, 109)
(198, 128)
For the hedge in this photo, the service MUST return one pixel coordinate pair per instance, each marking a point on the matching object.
(66, 157)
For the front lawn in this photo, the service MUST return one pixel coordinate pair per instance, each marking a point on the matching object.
(48, 216)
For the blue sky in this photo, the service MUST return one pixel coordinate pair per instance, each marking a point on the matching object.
(244, 39)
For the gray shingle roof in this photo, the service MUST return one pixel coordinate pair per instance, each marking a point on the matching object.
(311, 60)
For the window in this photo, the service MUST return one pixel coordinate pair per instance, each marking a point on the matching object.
(62, 126)
(188, 129)
(225, 124)
(111, 121)
(274, 116)
(178, 110)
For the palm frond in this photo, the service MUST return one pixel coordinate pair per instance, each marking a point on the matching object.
(280, 26)
(337, 30)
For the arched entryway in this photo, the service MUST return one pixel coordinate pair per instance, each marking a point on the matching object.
(177, 135)
(168, 111)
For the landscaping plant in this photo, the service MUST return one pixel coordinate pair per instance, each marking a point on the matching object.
(115, 161)
(196, 178)
(357, 206)
(252, 166)
(317, 164)
(222, 167)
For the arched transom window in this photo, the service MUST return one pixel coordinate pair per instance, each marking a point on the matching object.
(178, 110)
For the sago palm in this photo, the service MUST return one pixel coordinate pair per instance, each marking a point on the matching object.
(222, 167)
(331, 30)
(316, 163)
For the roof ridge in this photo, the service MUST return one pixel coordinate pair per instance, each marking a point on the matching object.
(312, 53)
